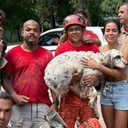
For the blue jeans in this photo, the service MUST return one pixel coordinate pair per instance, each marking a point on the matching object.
(116, 95)
(29, 116)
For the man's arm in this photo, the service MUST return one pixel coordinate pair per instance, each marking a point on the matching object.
(90, 39)
(7, 85)
(55, 101)
(97, 42)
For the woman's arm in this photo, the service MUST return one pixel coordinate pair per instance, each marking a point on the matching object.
(113, 73)
(125, 52)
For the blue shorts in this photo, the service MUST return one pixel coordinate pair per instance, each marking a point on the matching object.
(116, 95)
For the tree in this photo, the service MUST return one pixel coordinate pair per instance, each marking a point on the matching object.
(92, 7)
(83, 4)
(45, 9)
(51, 11)
(17, 12)
(95, 12)
(110, 7)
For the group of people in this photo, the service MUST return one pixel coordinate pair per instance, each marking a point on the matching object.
(22, 77)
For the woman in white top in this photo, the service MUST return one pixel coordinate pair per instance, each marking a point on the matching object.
(114, 98)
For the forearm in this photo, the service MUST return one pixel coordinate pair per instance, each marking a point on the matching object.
(7, 85)
(97, 42)
(55, 102)
(54, 97)
(113, 73)
(125, 53)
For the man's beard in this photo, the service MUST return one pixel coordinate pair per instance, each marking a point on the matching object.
(31, 43)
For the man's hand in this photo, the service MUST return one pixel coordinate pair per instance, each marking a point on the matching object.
(54, 107)
(20, 99)
(88, 39)
(76, 76)
(90, 80)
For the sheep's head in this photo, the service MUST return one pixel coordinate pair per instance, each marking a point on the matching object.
(113, 58)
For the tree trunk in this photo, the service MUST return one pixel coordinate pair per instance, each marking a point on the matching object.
(18, 34)
(11, 34)
(53, 20)
(82, 4)
(52, 15)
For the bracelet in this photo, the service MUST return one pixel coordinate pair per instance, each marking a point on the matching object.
(56, 102)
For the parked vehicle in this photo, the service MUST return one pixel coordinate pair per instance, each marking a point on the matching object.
(46, 38)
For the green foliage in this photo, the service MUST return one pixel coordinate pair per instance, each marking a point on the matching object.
(46, 10)
(94, 11)
(46, 26)
(64, 9)
(50, 12)
(17, 12)
(109, 7)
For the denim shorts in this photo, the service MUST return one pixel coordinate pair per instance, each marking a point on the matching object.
(116, 95)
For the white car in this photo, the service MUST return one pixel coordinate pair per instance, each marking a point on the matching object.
(46, 38)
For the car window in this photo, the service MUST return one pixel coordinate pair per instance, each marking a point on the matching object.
(47, 39)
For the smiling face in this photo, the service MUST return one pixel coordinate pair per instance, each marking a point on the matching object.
(111, 33)
(75, 34)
